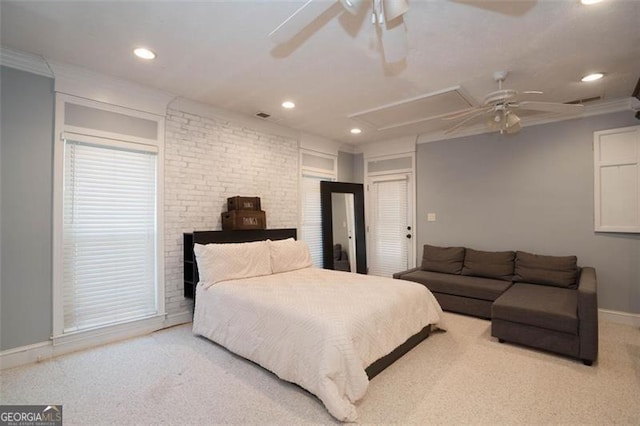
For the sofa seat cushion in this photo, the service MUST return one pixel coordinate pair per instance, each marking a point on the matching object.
(542, 306)
(459, 285)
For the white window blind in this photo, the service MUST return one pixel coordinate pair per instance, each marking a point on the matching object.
(312, 218)
(389, 228)
(109, 235)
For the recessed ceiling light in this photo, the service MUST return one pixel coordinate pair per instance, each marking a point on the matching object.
(589, 2)
(592, 77)
(356, 131)
(288, 105)
(144, 53)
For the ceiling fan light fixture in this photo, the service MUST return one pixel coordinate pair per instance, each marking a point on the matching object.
(592, 77)
(504, 121)
(512, 123)
(496, 121)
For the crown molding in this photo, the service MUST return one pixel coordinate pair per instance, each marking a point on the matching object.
(319, 144)
(89, 84)
(599, 108)
(395, 146)
(215, 113)
(608, 107)
(24, 62)
(348, 148)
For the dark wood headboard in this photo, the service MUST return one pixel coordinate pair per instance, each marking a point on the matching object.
(220, 237)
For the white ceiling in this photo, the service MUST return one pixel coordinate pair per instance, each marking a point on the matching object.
(218, 53)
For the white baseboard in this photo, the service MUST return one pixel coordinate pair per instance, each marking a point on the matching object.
(79, 341)
(25, 355)
(177, 319)
(618, 317)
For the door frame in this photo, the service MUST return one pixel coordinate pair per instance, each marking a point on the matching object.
(393, 174)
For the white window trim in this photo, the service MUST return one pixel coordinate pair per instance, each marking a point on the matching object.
(314, 172)
(321, 172)
(58, 335)
(306, 171)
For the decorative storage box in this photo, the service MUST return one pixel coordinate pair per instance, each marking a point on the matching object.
(244, 219)
(243, 203)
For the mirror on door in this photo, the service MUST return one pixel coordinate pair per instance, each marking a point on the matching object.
(343, 233)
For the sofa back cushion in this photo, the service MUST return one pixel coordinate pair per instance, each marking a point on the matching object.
(489, 264)
(557, 271)
(442, 259)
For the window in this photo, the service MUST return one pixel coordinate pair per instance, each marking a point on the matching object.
(311, 230)
(109, 234)
(315, 167)
(108, 269)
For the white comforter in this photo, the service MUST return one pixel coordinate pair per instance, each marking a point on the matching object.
(314, 327)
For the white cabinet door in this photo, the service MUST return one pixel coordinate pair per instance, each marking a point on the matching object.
(616, 156)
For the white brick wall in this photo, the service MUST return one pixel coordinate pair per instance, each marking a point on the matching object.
(208, 160)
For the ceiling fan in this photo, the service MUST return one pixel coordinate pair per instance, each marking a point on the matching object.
(387, 14)
(499, 109)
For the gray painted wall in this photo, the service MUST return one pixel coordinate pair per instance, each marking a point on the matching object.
(350, 167)
(531, 191)
(345, 167)
(26, 153)
(358, 168)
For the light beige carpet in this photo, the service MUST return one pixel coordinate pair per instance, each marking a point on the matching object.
(463, 376)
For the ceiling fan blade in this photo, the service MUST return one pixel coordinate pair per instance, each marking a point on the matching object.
(352, 6)
(394, 41)
(550, 107)
(394, 8)
(295, 23)
(456, 115)
(465, 121)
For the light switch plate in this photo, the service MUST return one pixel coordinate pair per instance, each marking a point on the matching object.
(431, 217)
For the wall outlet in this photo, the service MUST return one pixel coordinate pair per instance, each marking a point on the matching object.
(431, 217)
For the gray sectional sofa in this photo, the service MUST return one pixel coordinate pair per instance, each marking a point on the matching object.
(546, 302)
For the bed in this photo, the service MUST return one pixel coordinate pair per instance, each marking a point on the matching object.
(328, 331)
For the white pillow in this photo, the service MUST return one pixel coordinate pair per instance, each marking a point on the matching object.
(289, 255)
(221, 262)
